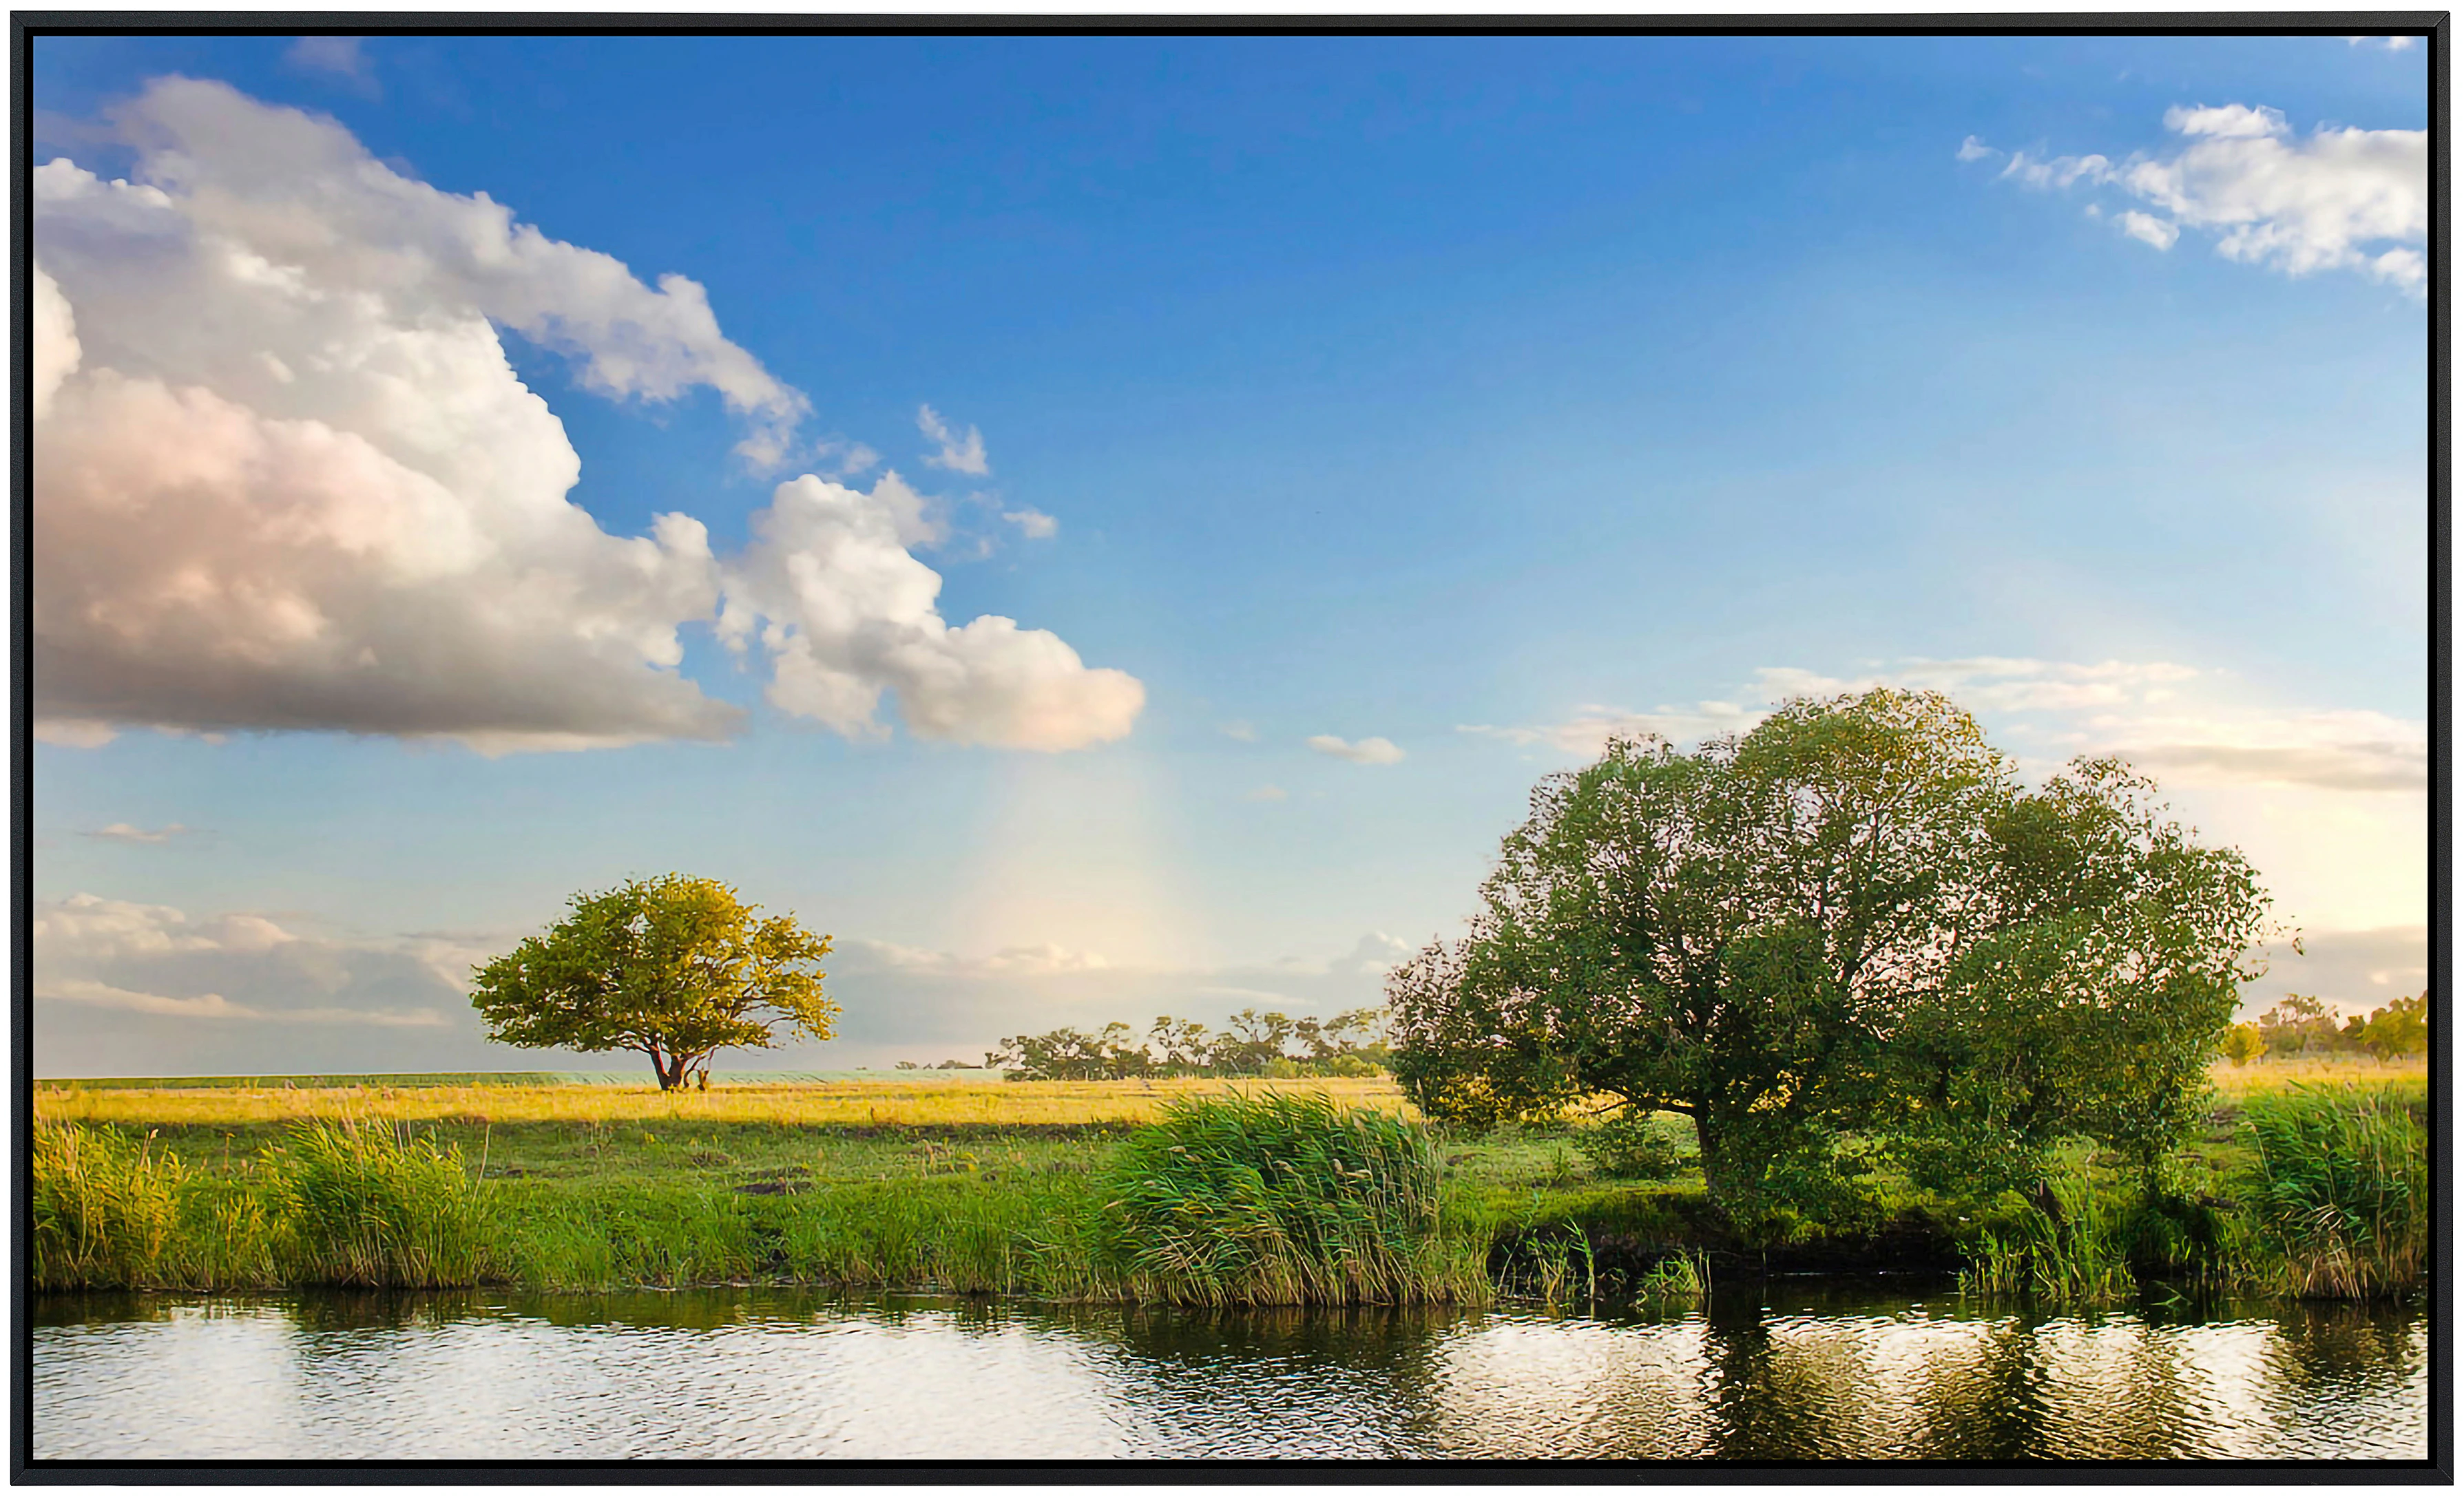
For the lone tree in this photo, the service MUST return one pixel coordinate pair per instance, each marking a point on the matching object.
(675, 967)
(1850, 920)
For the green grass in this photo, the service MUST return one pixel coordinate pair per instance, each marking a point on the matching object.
(104, 1209)
(1277, 1199)
(367, 1206)
(997, 1188)
(2341, 1188)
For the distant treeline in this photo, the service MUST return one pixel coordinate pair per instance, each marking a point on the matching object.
(2303, 1025)
(1351, 1042)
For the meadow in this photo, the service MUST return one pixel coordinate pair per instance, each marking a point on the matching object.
(905, 1182)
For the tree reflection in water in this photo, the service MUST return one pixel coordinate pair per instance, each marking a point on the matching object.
(1772, 1372)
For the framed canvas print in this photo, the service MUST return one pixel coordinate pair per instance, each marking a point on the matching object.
(1005, 747)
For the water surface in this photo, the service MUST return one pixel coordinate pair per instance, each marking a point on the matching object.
(1773, 1372)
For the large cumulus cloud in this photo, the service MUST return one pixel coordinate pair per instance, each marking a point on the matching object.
(287, 478)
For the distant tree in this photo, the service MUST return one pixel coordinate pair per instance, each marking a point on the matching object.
(1181, 1047)
(1255, 1044)
(2243, 1043)
(2299, 1024)
(2401, 1027)
(675, 967)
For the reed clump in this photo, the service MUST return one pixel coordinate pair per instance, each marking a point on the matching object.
(2068, 1246)
(104, 1209)
(1277, 1199)
(2341, 1189)
(364, 1206)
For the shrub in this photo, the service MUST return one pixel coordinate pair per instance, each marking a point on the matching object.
(1275, 1199)
(1634, 1145)
(2341, 1188)
(364, 1208)
(2074, 1253)
(103, 1210)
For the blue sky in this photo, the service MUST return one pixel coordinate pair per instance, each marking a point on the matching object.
(1469, 396)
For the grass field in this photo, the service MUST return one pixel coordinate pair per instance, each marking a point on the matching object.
(916, 1182)
(847, 1103)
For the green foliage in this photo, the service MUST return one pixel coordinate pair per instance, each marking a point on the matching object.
(675, 967)
(2402, 1027)
(1680, 1278)
(103, 1210)
(2341, 1188)
(1257, 1043)
(1634, 1145)
(1275, 1199)
(363, 1208)
(2066, 1246)
(1851, 919)
(2243, 1044)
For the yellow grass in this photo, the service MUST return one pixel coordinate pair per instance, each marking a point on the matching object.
(880, 1102)
(2272, 1072)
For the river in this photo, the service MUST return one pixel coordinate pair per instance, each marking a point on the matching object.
(1787, 1369)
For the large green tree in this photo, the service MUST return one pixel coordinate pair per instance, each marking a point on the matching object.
(675, 967)
(1794, 933)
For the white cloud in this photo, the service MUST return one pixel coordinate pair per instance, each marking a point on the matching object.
(1590, 727)
(1974, 149)
(960, 454)
(1033, 524)
(287, 477)
(341, 55)
(154, 959)
(1047, 960)
(2391, 43)
(1375, 954)
(1268, 794)
(1241, 732)
(56, 353)
(1369, 750)
(2061, 171)
(123, 832)
(852, 615)
(2343, 198)
(2227, 122)
(2147, 230)
(2366, 752)
(2114, 706)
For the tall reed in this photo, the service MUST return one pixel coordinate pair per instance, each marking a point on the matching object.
(364, 1207)
(2341, 1188)
(1277, 1199)
(2075, 1253)
(104, 1209)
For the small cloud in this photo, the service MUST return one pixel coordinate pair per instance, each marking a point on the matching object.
(1369, 750)
(2061, 171)
(1374, 955)
(838, 457)
(73, 731)
(1033, 524)
(958, 454)
(338, 56)
(1974, 149)
(2227, 122)
(1241, 731)
(2340, 198)
(2391, 43)
(1268, 793)
(2147, 230)
(123, 832)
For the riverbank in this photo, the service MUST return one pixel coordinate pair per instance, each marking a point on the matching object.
(988, 1189)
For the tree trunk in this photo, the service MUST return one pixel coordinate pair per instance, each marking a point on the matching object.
(1729, 1180)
